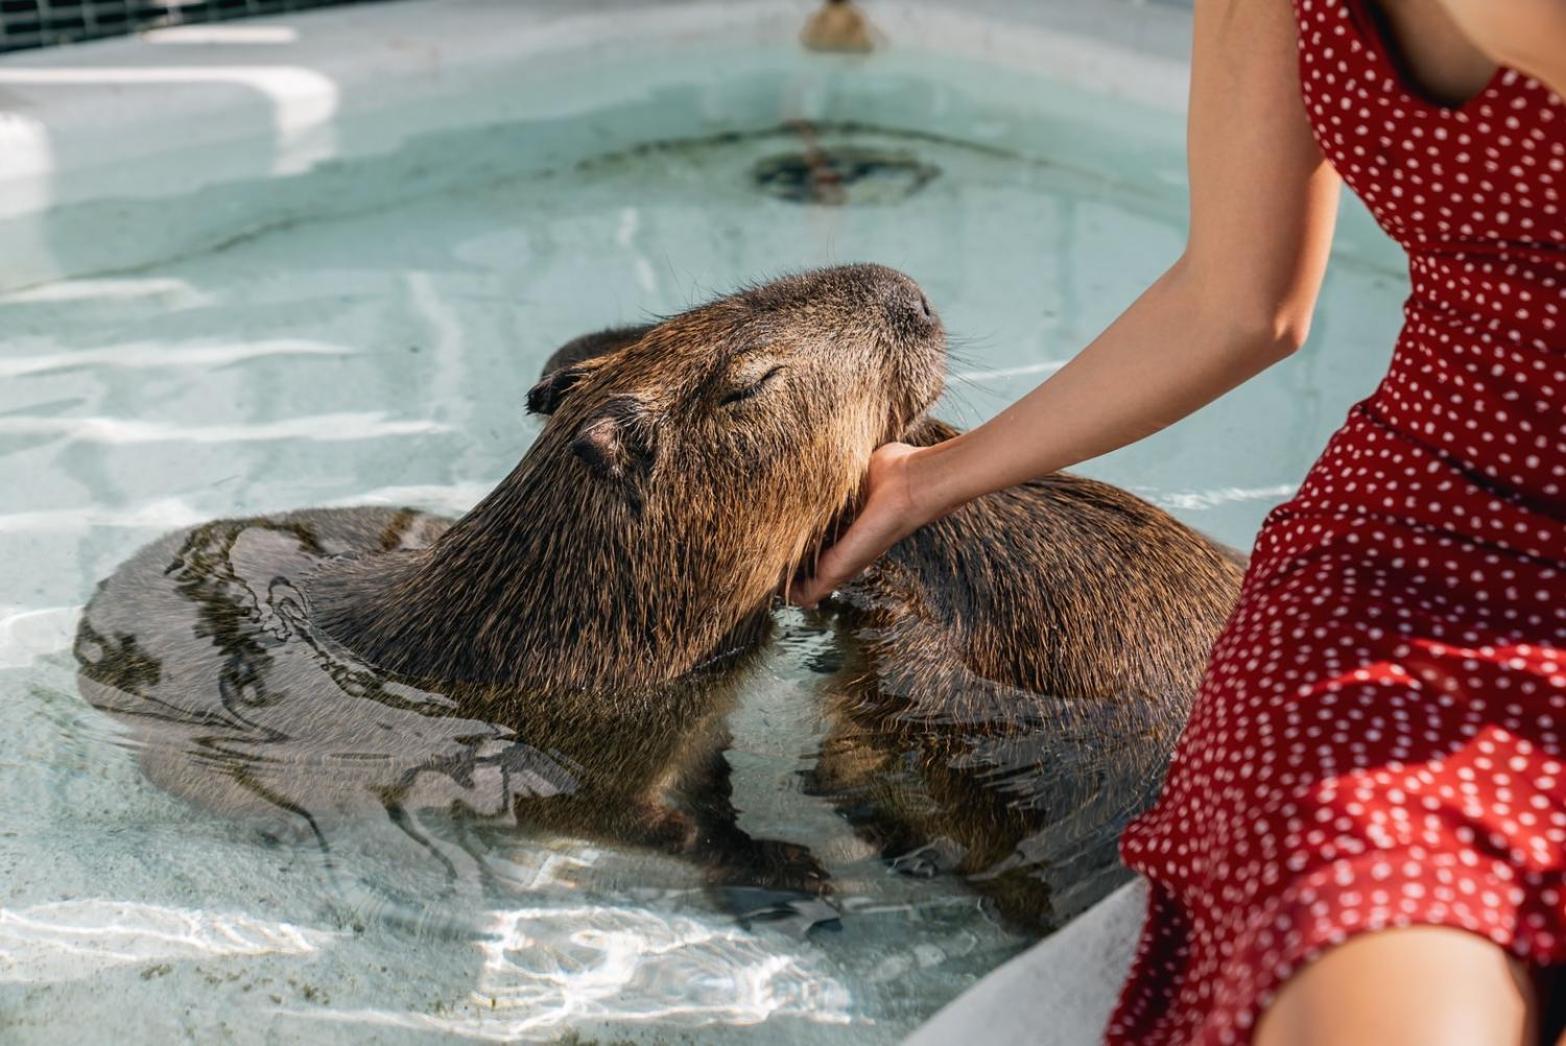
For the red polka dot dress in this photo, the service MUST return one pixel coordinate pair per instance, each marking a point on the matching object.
(1381, 737)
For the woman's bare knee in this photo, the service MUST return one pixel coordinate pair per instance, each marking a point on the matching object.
(1424, 985)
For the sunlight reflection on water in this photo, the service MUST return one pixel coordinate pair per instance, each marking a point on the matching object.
(547, 970)
(73, 939)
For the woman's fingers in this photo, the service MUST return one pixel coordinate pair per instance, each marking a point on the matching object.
(837, 565)
(887, 516)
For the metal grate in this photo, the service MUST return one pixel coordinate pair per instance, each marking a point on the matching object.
(40, 23)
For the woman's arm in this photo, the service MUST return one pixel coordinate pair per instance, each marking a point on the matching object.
(1239, 299)
(1526, 35)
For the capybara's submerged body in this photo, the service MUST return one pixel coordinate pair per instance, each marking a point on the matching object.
(564, 655)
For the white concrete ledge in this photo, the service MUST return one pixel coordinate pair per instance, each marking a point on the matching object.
(1058, 993)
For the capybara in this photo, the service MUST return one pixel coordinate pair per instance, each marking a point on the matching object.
(1013, 679)
(565, 653)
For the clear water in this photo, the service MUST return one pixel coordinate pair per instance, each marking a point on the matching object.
(380, 353)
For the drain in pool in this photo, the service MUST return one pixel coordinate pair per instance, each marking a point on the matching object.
(841, 174)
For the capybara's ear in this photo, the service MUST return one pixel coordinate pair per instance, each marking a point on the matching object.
(617, 444)
(592, 346)
(552, 388)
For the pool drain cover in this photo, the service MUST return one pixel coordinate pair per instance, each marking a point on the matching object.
(844, 174)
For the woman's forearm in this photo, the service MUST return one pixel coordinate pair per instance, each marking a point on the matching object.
(1177, 348)
(1263, 202)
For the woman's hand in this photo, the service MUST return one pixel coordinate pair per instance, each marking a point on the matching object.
(891, 511)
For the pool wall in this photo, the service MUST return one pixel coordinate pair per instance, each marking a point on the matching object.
(99, 141)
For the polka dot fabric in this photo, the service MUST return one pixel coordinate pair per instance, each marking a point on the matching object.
(1379, 739)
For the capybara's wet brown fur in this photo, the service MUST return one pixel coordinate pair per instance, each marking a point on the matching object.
(1022, 668)
(1015, 677)
(565, 652)
(676, 481)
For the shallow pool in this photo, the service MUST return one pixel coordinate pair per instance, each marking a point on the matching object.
(365, 332)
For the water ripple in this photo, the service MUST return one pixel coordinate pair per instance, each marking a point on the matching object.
(107, 289)
(1196, 500)
(26, 633)
(549, 970)
(1046, 367)
(69, 940)
(323, 428)
(161, 354)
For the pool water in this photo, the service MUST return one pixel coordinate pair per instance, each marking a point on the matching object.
(378, 351)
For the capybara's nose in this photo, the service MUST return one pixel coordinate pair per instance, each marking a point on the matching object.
(916, 307)
(907, 305)
(901, 302)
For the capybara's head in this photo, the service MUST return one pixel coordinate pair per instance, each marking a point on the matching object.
(746, 423)
(679, 477)
(707, 457)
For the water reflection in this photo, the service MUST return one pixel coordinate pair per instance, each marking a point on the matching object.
(554, 971)
(67, 940)
(553, 967)
(204, 643)
(948, 772)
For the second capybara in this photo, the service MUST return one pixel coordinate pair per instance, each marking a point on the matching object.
(1014, 678)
